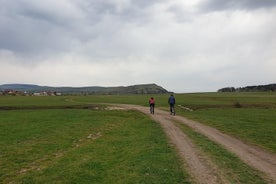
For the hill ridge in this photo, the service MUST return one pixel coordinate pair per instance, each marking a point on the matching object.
(151, 88)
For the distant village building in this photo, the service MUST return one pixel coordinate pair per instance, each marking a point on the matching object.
(11, 92)
(36, 94)
(44, 93)
(58, 94)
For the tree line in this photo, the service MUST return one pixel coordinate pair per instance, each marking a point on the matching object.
(259, 88)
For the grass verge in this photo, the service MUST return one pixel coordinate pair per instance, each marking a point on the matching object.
(254, 125)
(85, 146)
(233, 169)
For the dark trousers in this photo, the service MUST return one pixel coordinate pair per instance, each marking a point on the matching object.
(152, 108)
(172, 110)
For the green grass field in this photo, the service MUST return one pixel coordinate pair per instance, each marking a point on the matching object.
(248, 116)
(65, 139)
(85, 146)
(252, 120)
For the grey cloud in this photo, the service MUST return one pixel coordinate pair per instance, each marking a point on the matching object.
(27, 29)
(181, 14)
(221, 5)
(32, 27)
(91, 37)
(128, 11)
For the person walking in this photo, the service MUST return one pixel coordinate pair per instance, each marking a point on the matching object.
(152, 104)
(171, 101)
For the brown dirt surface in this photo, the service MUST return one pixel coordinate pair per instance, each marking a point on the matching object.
(200, 166)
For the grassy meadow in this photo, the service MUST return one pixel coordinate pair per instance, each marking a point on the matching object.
(85, 146)
(72, 139)
(249, 116)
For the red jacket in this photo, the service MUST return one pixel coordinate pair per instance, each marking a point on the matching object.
(151, 101)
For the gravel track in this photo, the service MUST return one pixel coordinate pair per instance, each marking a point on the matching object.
(200, 167)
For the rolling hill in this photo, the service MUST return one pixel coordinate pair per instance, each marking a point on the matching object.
(134, 89)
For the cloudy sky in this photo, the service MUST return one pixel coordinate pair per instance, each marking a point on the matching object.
(181, 45)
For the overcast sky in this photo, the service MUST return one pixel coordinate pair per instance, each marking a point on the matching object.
(181, 45)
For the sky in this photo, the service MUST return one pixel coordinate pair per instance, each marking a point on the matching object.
(183, 46)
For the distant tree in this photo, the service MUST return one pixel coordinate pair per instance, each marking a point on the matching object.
(260, 88)
(227, 89)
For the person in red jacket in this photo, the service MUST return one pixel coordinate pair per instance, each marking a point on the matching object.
(152, 104)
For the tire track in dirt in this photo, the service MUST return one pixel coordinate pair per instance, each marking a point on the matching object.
(201, 168)
(250, 154)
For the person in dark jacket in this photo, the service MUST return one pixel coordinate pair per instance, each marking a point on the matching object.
(171, 101)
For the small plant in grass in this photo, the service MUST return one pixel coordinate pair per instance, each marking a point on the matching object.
(237, 105)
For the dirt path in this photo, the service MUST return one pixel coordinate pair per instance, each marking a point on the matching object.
(250, 154)
(201, 168)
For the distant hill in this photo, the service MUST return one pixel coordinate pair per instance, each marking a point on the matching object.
(134, 89)
(260, 88)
